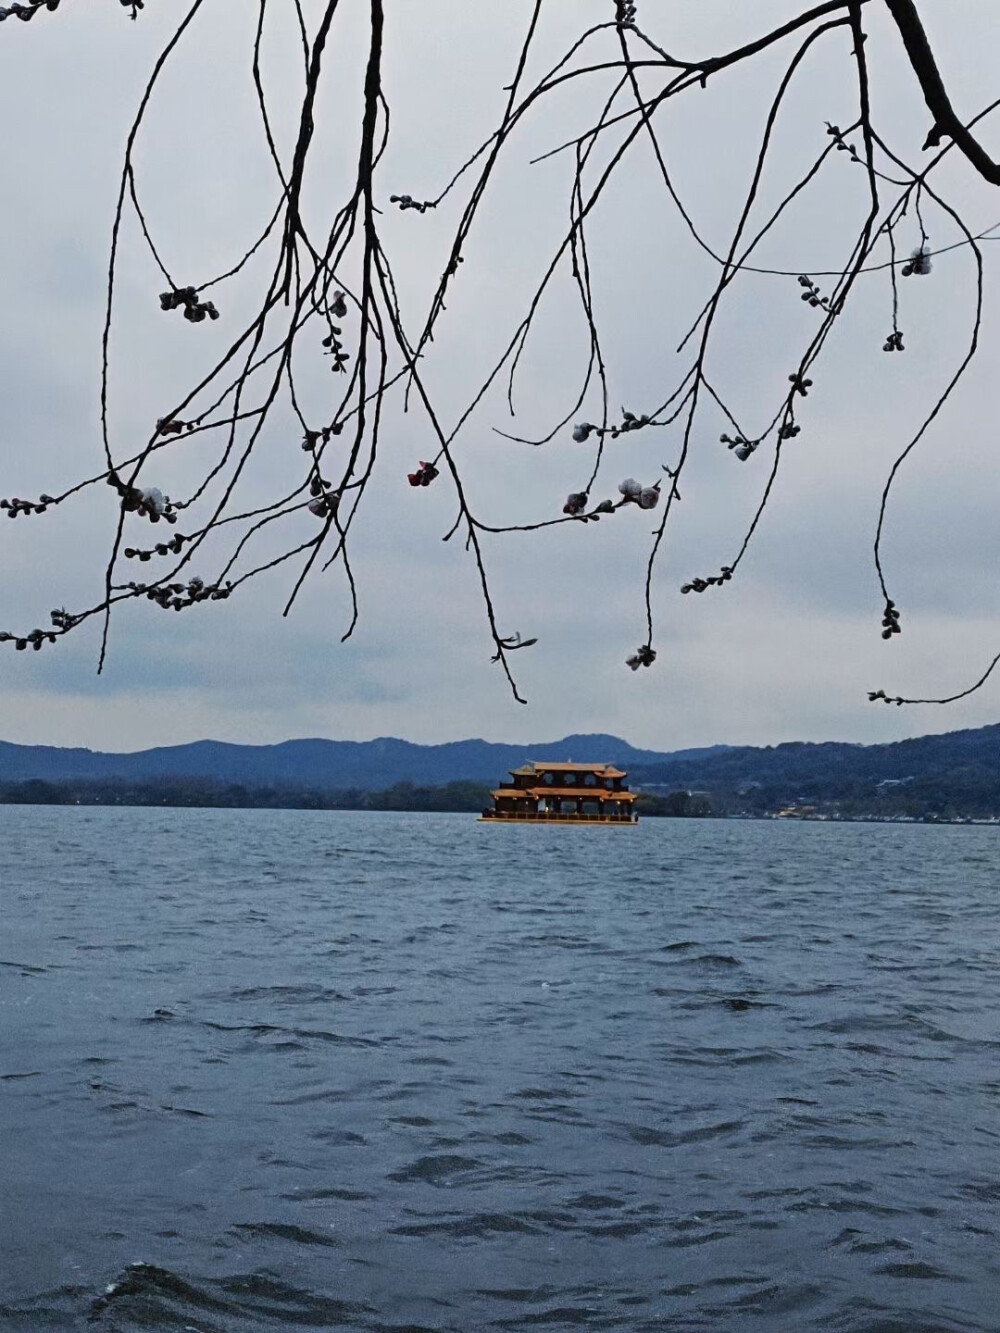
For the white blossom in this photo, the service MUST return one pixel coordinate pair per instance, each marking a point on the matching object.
(919, 262)
(154, 500)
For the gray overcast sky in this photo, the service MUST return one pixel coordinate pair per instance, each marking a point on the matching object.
(787, 651)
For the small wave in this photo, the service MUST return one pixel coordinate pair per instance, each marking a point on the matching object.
(442, 1169)
(286, 994)
(306, 1034)
(149, 1296)
(904, 1024)
(659, 1138)
(26, 969)
(559, 1316)
(595, 1202)
(159, 1016)
(917, 1271)
(517, 1295)
(474, 1226)
(347, 1196)
(986, 1191)
(284, 1231)
(155, 1286)
(544, 1094)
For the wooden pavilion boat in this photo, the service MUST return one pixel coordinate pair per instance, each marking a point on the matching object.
(563, 794)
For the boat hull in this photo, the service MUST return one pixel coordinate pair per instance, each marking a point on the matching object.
(611, 820)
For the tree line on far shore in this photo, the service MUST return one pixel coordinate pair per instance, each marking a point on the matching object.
(459, 797)
(958, 794)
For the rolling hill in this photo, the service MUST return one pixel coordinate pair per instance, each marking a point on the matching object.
(320, 764)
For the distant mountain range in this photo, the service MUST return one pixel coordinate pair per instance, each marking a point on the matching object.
(372, 765)
(955, 775)
(959, 756)
(952, 776)
(322, 764)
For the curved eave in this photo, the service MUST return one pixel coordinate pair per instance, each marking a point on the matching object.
(563, 793)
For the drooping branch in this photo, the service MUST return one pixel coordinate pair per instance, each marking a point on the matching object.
(329, 285)
(945, 119)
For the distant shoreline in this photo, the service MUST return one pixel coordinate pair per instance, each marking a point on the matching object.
(403, 798)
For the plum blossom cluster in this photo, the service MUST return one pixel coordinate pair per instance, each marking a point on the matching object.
(894, 342)
(325, 500)
(325, 504)
(890, 620)
(36, 638)
(186, 298)
(632, 492)
(178, 596)
(643, 656)
(714, 580)
(17, 506)
(919, 263)
(646, 497)
(27, 11)
(313, 437)
(843, 145)
(30, 8)
(576, 504)
(742, 448)
(332, 346)
(624, 13)
(873, 695)
(62, 621)
(405, 201)
(424, 474)
(584, 429)
(812, 293)
(172, 547)
(173, 426)
(148, 502)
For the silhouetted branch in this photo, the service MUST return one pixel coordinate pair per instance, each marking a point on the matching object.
(328, 289)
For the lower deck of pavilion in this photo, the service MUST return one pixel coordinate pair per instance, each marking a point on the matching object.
(495, 816)
(593, 805)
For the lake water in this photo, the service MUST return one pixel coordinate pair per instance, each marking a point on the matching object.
(273, 1070)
